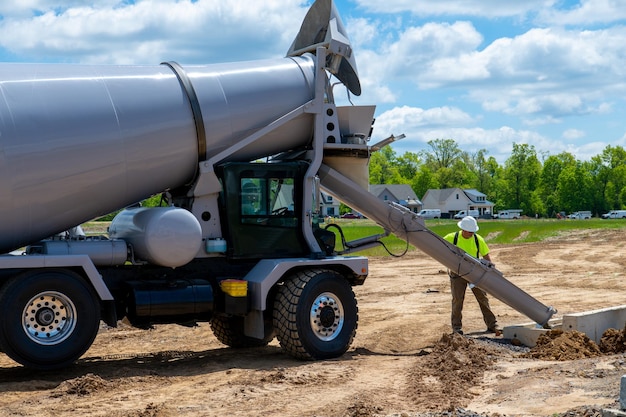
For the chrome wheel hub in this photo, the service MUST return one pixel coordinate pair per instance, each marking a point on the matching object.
(49, 318)
(327, 316)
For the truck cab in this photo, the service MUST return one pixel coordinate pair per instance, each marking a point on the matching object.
(262, 205)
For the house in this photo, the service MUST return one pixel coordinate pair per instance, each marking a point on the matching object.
(452, 200)
(402, 194)
(329, 206)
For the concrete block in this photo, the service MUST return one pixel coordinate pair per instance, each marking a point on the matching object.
(528, 333)
(609, 412)
(594, 323)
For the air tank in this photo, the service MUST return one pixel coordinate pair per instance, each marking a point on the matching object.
(80, 141)
(165, 236)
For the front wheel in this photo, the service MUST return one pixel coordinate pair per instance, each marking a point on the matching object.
(315, 315)
(49, 318)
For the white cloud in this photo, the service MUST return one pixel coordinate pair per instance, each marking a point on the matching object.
(411, 118)
(423, 125)
(489, 8)
(419, 49)
(543, 74)
(586, 12)
(151, 31)
(25, 8)
(571, 134)
(497, 142)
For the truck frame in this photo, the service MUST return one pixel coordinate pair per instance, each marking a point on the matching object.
(239, 154)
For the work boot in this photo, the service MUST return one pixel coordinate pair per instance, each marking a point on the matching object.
(495, 329)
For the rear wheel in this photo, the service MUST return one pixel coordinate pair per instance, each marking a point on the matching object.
(230, 331)
(315, 315)
(49, 318)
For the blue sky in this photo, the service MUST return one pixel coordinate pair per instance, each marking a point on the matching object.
(486, 73)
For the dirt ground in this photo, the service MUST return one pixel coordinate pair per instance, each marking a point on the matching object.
(403, 362)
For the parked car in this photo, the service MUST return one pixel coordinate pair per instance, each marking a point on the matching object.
(580, 215)
(350, 216)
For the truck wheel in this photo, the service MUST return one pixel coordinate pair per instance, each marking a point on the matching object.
(315, 315)
(229, 330)
(49, 318)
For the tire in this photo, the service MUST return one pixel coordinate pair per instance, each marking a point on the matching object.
(49, 318)
(315, 315)
(229, 330)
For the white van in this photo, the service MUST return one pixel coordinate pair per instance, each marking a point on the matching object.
(510, 214)
(615, 214)
(463, 213)
(430, 214)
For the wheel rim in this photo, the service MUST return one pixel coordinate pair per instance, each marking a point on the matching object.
(49, 318)
(327, 316)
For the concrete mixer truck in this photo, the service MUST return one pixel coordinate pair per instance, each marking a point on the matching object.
(238, 154)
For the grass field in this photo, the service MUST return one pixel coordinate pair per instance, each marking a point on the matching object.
(494, 231)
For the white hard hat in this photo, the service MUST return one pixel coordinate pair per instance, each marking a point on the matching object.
(468, 223)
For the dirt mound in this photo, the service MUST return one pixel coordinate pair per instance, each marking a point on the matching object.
(444, 378)
(85, 385)
(613, 341)
(557, 345)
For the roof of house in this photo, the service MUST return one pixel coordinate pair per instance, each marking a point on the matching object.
(472, 194)
(398, 191)
(442, 195)
(402, 193)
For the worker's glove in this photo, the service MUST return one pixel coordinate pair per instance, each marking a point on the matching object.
(487, 263)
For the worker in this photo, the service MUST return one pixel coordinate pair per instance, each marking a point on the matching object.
(249, 198)
(474, 244)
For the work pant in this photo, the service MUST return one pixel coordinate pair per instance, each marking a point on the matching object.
(458, 286)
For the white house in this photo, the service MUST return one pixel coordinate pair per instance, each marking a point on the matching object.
(452, 200)
(329, 205)
(402, 194)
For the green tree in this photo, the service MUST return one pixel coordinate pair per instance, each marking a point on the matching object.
(568, 189)
(547, 191)
(479, 167)
(446, 162)
(536, 205)
(521, 176)
(383, 167)
(444, 153)
(408, 166)
(423, 181)
(607, 179)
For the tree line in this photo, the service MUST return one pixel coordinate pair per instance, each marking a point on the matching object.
(536, 184)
